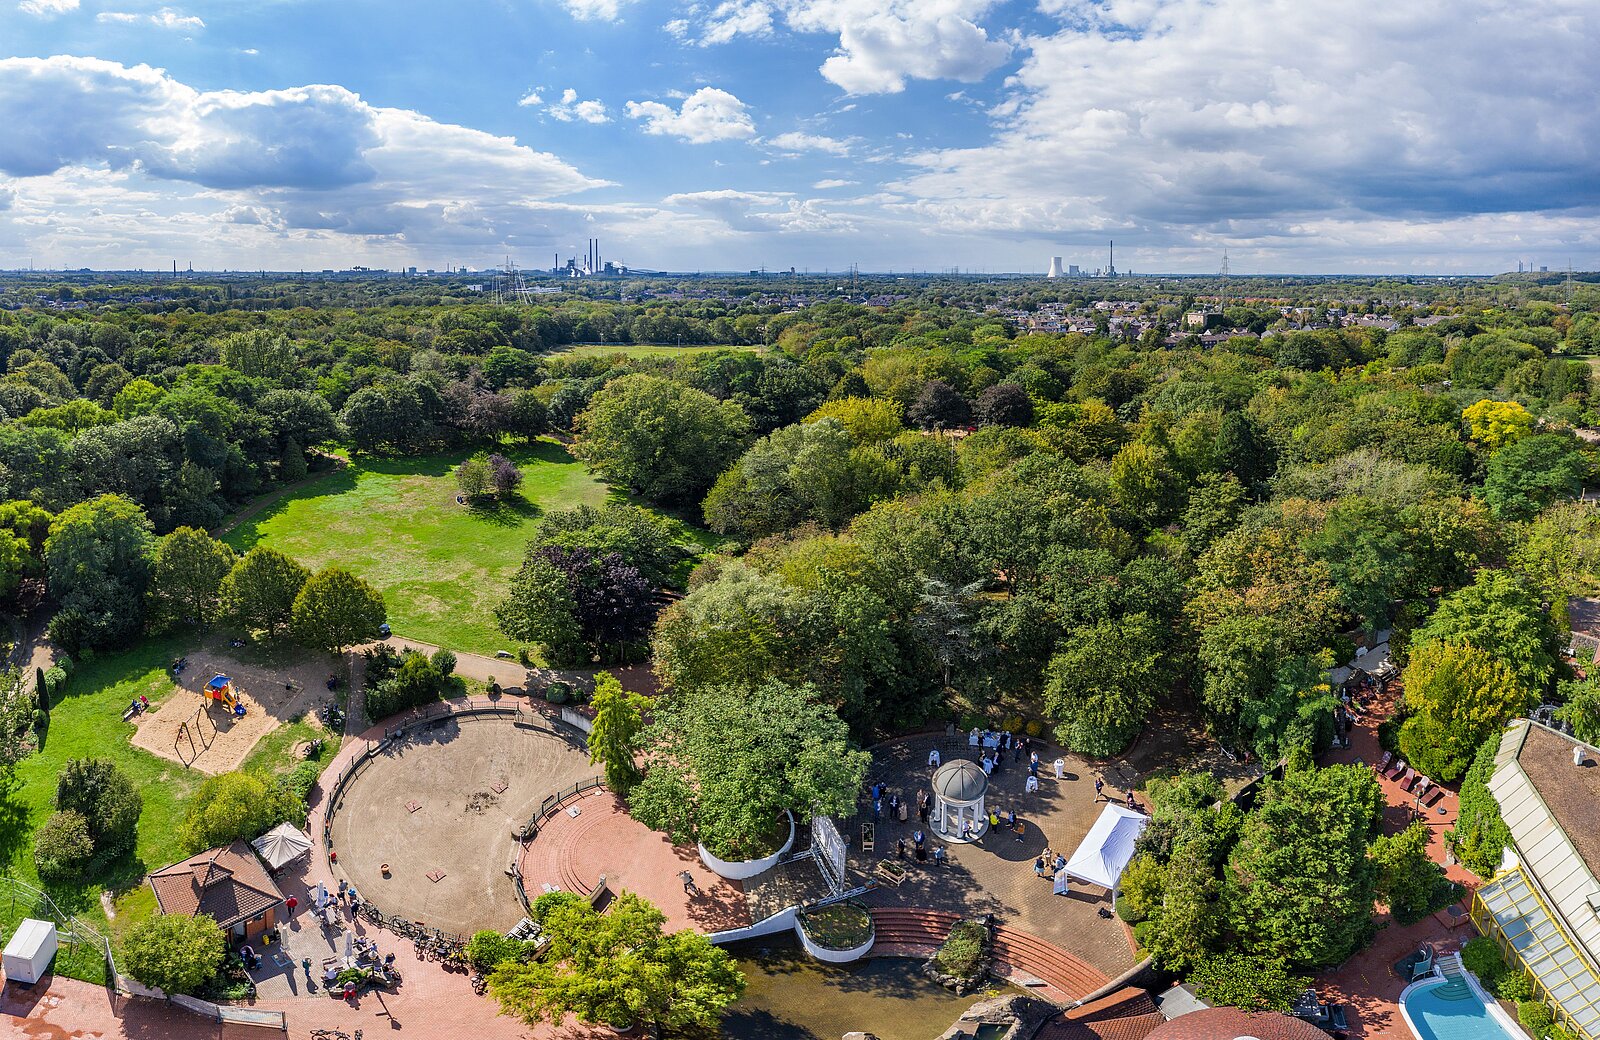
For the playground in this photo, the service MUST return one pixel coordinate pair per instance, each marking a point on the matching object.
(440, 807)
(199, 724)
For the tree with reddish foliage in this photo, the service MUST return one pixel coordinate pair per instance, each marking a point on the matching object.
(612, 602)
(1004, 404)
(504, 475)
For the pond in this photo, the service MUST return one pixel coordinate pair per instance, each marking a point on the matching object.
(792, 997)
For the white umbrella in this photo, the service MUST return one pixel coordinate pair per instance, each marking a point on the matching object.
(322, 895)
(349, 947)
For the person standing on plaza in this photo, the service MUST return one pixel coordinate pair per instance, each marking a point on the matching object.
(1099, 788)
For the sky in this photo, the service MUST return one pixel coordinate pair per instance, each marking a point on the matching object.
(1297, 136)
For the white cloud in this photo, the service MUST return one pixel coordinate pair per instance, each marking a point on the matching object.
(166, 18)
(831, 182)
(762, 212)
(796, 141)
(734, 18)
(1197, 121)
(47, 8)
(709, 114)
(530, 100)
(570, 110)
(881, 45)
(316, 158)
(677, 28)
(595, 10)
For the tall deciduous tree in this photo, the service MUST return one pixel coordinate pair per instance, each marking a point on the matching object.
(98, 557)
(1534, 473)
(1409, 881)
(336, 609)
(661, 439)
(539, 608)
(186, 571)
(1458, 697)
(614, 738)
(107, 800)
(1500, 616)
(620, 969)
(1103, 681)
(258, 594)
(747, 754)
(1300, 881)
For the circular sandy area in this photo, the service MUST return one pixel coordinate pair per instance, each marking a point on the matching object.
(447, 800)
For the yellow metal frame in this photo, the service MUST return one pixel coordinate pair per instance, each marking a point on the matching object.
(1483, 919)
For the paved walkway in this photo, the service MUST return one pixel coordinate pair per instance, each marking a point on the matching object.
(1367, 982)
(995, 875)
(637, 678)
(572, 851)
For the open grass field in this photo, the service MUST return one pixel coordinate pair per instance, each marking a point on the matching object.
(442, 567)
(636, 350)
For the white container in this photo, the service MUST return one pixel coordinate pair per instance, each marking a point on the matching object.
(822, 953)
(741, 870)
(28, 954)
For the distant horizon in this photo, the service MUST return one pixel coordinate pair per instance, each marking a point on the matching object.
(1297, 138)
(830, 274)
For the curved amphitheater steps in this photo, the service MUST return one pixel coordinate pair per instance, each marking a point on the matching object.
(1021, 956)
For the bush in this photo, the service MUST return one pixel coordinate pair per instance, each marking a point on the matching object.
(1034, 728)
(173, 952)
(55, 682)
(1535, 1017)
(1482, 957)
(1140, 892)
(443, 661)
(62, 847)
(1480, 835)
(1514, 987)
(488, 948)
(414, 683)
(106, 798)
(964, 951)
(1250, 983)
(558, 692)
(549, 901)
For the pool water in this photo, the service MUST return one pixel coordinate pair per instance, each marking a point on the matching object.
(1450, 1010)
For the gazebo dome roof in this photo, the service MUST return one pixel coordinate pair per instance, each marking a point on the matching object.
(960, 782)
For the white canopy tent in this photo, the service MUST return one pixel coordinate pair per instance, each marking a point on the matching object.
(282, 844)
(1107, 848)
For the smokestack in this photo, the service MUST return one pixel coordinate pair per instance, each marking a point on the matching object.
(1055, 267)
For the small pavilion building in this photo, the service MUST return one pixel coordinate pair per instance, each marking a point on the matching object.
(959, 787)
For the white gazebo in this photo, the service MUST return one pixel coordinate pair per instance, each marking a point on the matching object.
(958, 789)
(1107, 848)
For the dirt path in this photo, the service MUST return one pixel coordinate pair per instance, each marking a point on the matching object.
(512, 675)
(272, 498)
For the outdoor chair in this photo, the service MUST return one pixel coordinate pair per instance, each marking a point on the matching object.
(1395, 769)
(1383, 763)
(1413, 966)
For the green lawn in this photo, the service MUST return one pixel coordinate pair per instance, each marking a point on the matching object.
(395, 522)
(87, 723)
(637, 350)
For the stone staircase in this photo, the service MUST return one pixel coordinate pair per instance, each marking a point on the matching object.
(1029, 961)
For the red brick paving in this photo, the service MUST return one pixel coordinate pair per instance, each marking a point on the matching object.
(1367, 982)
(572, 853)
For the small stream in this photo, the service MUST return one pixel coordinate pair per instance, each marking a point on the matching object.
(792, 997)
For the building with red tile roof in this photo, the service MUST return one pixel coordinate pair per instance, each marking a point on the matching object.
(1226, 1023)
(229, 884)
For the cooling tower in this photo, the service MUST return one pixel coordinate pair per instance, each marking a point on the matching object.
(1055, 267)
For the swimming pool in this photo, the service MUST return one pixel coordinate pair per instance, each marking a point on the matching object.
(1455, 1008)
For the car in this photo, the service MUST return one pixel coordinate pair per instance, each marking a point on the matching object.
(385, 631)
(504, 655)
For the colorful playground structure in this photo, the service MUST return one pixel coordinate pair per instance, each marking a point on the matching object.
(220, 689)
